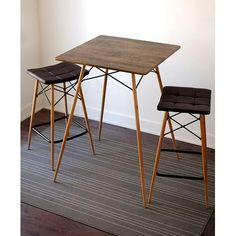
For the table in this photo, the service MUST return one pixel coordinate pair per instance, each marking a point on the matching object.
(119, 54)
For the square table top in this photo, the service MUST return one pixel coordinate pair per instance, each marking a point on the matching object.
(122, 54)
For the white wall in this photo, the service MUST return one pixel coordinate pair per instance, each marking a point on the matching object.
(30, 53)
(189, 23)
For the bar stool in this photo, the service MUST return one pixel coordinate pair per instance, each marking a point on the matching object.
(49, 78)
(195, 101)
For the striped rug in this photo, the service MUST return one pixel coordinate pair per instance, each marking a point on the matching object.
(103, 191)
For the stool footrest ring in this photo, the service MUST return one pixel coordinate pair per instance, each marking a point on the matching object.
(47, 123)
(59, 140)
(178, 150)
(179, 176)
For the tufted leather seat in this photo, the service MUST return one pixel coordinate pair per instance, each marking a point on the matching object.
(186, 100)
(62, 72)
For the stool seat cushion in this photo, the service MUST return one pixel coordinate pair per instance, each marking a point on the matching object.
(62, 72)
(186, 100)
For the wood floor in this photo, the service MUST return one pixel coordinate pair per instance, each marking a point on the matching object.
(37, 222)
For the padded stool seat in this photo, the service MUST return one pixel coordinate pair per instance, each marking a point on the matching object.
(59, 73)
(185, 100)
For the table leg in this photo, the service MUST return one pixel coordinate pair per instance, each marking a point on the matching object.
(169, 121)
(139, 141)
(86, 119)
(52, 125)
(69, 122)
(102, 106)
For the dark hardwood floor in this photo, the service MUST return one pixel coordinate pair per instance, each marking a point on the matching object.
(37, 222)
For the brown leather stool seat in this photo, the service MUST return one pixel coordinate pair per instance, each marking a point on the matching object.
(185, 100)
(59, 73)
(196, 102)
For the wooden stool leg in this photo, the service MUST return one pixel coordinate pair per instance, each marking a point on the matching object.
(69, 122)
(158, 155)
(139, 140)
(102, 106)
(204, 156)
(86, 120)
(33, 112)
(65, 99)
(169, 121)
(173, 138)
(52, 125)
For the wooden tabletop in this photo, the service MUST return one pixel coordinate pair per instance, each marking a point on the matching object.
(122, 54)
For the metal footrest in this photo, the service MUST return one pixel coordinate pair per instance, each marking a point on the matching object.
(179, 176)
(179, 151)
(59, 140)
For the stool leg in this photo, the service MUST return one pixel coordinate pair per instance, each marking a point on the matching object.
(33, 112)
(86, 120)
(52, 125)
(65, 99)
(169, 121)
(158, 155)
(173, 137)
(102, 106)
(204, 157)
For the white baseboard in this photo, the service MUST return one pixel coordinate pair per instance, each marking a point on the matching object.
(147, 126)
(26, 109)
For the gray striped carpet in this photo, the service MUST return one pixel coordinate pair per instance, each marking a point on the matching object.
(103, 191)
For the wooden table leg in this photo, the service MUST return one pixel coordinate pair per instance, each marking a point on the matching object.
(169, 121)
(103, 104)
(86, 119)
(139, 141)
(33, 112)
(52, 125)
(69, 122)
